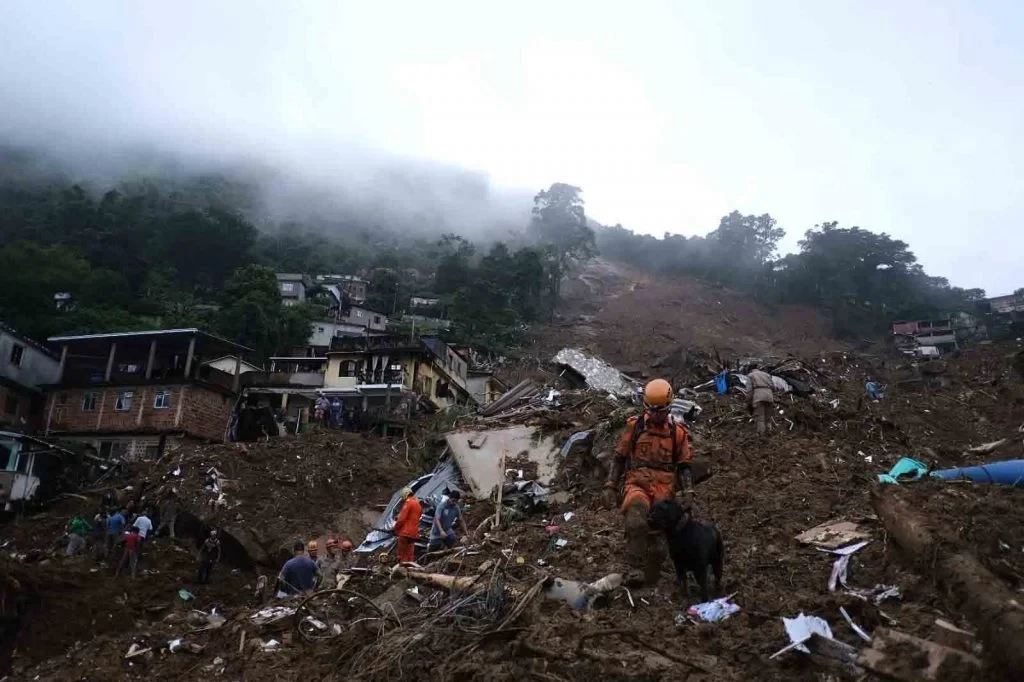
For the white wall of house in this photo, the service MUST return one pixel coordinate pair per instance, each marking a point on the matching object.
(357, 322)
(25, 363)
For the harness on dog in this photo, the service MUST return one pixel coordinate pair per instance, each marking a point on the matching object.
(638, 430)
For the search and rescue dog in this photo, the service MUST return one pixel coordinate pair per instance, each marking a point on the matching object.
(693, 545)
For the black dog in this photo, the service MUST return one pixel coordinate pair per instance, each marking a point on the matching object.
(692, 545)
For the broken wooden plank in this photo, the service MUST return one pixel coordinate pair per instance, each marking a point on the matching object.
(905, 657)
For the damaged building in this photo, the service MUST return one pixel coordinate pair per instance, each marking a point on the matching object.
(135, 394)
(25, 367)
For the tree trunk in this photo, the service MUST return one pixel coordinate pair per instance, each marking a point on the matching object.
(974, 589)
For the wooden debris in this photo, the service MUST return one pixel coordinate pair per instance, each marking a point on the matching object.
(889, 655)
(947, 634)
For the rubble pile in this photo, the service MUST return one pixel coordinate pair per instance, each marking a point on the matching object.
(538, 590)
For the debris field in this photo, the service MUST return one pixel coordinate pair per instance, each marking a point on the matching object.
(488, 609)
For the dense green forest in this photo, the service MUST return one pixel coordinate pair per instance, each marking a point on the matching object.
(151, 252)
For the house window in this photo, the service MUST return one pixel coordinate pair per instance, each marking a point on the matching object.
(442, 390)
(89, 402)
(17, 353)
(62, 399)
(11, 405)
(347, 368)
(376, 319)
(319, 330)
(124, 401)
(161, 399)
(287, 287)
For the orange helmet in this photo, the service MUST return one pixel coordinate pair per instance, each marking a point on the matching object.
(346, 545)
(658, 393)
(311, 548)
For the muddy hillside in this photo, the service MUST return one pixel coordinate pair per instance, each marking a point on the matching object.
(907, 579)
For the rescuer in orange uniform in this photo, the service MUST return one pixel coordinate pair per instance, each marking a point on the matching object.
(407, 526)
(654, 453)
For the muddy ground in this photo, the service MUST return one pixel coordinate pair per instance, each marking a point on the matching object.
(820, 464)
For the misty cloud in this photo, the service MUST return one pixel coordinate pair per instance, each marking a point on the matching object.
(901, 118)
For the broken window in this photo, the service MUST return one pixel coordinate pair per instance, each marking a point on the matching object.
(161, 399)
(89, 402)
(442, 389)
(124, 401)
(17, 353)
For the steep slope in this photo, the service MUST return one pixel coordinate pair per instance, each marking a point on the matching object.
(631, 318)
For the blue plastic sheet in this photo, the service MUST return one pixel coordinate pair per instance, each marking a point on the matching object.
(722, 382)
(1009, 472)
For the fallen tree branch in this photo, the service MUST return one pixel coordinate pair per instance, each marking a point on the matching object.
(981, 595)
(637, 639)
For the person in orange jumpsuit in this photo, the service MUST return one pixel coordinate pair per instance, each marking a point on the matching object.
(407, 526)
(654, 454)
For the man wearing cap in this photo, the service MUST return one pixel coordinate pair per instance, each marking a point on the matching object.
(407, 526)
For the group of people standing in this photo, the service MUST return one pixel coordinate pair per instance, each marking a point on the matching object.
(112, 531)
(332, 413)
(306, 570)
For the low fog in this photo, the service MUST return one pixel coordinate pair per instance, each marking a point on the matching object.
(114, 92)
(899, 118)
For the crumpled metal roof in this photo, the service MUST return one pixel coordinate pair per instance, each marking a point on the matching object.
(598, 374)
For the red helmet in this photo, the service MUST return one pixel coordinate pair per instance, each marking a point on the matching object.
(346, 545)
(332, 543)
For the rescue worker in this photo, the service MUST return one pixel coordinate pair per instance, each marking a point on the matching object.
(654, 454)
(329, 564)
(311, 549)
(407, 526)
(762, 397)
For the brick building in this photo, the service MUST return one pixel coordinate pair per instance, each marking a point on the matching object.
(136, 394)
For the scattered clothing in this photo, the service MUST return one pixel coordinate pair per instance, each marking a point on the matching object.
(874, 391)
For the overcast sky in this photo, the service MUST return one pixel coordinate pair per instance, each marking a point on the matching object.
(903, 117)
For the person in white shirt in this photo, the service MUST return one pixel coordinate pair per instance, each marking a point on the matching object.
(144, 525)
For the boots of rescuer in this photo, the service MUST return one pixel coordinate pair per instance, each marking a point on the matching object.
(644, 550)
(635, 520)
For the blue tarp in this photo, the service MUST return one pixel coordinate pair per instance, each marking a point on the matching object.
(722, 382)
(1009, 472)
